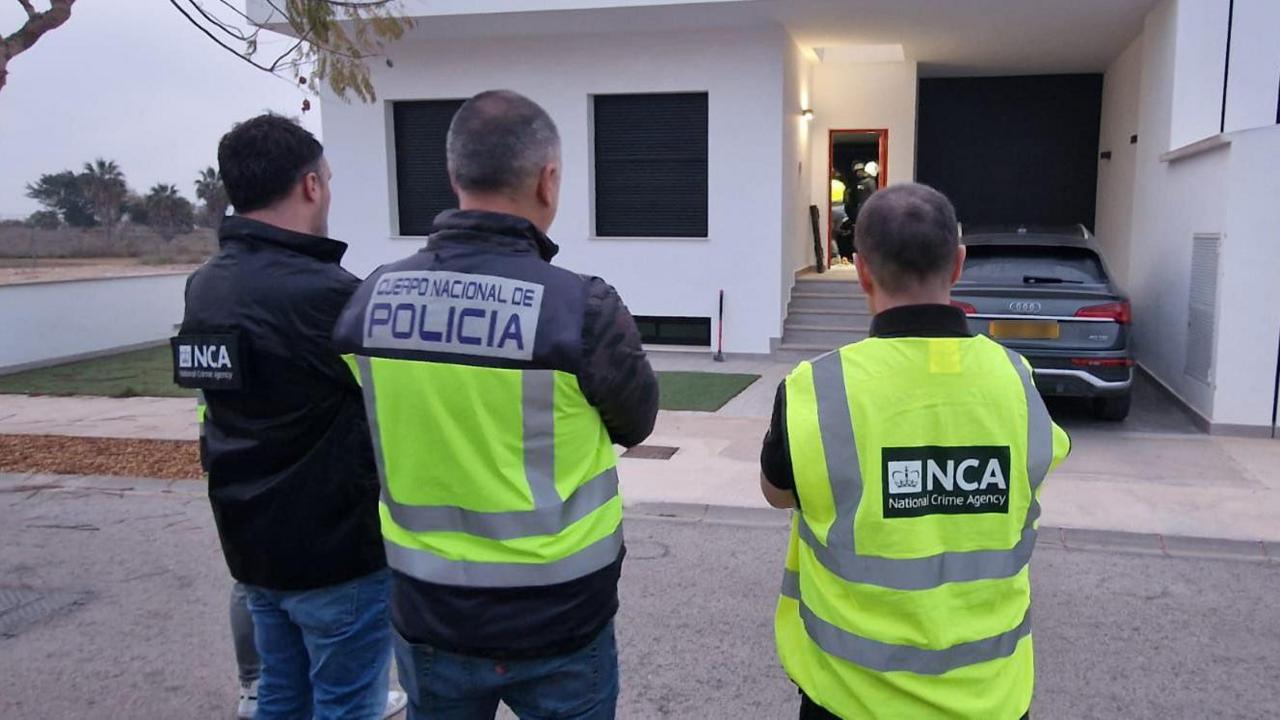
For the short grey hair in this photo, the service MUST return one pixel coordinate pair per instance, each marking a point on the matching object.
(908, 236)
(499, 141)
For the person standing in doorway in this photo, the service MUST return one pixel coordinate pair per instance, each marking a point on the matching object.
(496, 385)
(914, 462)
(285, 443)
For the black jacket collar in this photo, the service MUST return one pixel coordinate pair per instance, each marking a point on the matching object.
(237, 227)
(921, 321)
(506, 229)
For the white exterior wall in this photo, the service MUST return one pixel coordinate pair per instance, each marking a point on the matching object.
(1249, 320)
(798, 170)
(1121, 89)
(1227, 189)
(42, 322)
(743, 77)
(1199, 66)
(1254, 84)
(869, 96)
(1172, 201)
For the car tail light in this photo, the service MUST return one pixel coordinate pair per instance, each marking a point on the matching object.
(1119, 312)
(964, 307)
(1102, 362)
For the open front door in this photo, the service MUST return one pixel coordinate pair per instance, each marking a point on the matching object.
(858, 165)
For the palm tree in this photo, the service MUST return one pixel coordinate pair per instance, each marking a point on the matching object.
(168, 213)
(210, 191)
(105, 186)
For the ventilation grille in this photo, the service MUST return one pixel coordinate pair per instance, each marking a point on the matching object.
(1202, 312)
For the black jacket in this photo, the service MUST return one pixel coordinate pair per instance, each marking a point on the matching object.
(292, 478)
(583, 328)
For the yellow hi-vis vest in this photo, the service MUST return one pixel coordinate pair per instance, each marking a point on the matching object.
(918, 463)
(491, 477)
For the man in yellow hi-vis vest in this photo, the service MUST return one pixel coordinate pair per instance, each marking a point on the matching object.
(914, 461)
(496, 386)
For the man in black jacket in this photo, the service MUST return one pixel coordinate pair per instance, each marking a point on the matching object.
(292, 479)
(497, 384)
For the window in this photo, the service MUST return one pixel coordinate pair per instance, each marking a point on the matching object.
(657, 330)
(1031, 265)
(651, 165)
(422, 174)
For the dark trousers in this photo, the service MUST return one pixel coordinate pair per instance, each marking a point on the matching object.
(810, 710)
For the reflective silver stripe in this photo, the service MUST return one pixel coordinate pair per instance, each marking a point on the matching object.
(429, 567)
(838, 447)
(887, 657)
(548, 520)
(538, 406)
(371, 410)
(550, 516)
(1039, 438)
(791, 584)
(923, 573)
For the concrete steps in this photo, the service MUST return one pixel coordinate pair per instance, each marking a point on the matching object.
(824, 314)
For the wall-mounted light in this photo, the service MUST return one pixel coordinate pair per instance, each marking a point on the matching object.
(807, 113)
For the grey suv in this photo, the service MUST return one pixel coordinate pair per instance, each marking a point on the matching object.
(1047, 293)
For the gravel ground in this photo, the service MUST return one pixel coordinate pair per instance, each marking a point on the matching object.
(168, 459)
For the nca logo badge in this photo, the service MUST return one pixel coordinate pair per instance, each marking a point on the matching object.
(905, 477)
(935, 480)
(208, 361)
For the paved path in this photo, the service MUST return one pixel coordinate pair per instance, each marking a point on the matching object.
(1169, 483)
(1118, 635)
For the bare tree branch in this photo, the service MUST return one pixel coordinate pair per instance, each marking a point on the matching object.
(334, 38)
(37, 24)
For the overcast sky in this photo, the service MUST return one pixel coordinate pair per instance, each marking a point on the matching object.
(131, 81)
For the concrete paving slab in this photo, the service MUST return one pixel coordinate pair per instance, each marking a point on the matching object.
(144, 418)
(1154, 483)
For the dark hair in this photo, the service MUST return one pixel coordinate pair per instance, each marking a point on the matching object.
(907, 235)
(499, 141)
(262, 158)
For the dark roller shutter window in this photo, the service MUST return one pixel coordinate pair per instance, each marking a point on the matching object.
(422, 174)
(651, 165)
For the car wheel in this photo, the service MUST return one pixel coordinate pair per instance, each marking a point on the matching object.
(1114, 408)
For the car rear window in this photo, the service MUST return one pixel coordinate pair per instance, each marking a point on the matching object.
(1031, 265)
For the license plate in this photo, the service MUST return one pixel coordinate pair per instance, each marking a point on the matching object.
(1024, 329)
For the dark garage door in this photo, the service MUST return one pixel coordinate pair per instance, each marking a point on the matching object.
(1012, 149)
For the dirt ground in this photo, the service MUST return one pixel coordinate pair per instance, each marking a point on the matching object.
(30, 255)
(20, 271)
(56, 454)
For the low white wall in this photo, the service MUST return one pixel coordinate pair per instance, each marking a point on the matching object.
(40, 322)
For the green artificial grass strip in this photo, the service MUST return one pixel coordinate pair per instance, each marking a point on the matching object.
(148, 373)
(145, 373)
(701, 391)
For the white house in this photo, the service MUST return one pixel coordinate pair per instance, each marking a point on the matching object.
(696, 135)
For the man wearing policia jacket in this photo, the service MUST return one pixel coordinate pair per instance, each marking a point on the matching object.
(914, 461)
(496, 385)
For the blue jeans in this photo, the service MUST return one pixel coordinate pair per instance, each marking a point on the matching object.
(582, 685)
(325, 652)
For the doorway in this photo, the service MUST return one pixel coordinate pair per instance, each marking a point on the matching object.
(858, 166)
